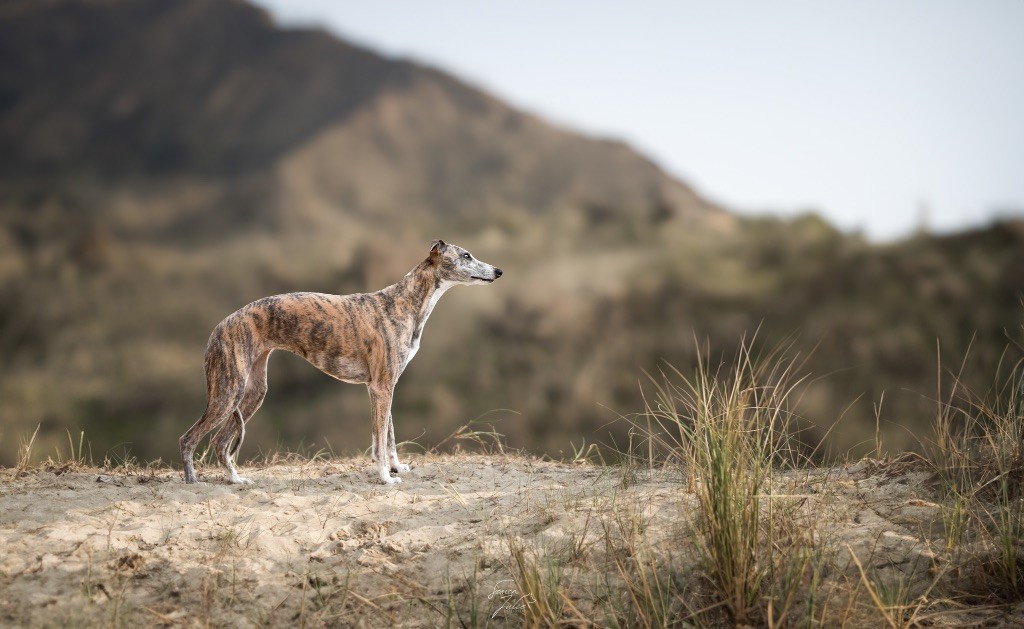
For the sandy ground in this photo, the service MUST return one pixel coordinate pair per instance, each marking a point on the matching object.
(320, 543)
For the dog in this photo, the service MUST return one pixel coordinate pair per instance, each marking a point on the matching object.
(362, 338)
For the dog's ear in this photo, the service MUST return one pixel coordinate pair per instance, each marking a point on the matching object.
(436, 248)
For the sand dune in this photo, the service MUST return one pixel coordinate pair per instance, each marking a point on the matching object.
(320, 543)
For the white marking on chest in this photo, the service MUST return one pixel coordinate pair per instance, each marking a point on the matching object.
(415, 346)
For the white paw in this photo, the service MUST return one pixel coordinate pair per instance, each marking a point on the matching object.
(400, 467)
(387, 479)
(240, 480)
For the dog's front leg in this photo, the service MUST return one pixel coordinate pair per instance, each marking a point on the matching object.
(380, 398)
(393, 448)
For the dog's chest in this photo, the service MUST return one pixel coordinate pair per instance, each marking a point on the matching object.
(414, 346)
(417, 336)
(414, 340)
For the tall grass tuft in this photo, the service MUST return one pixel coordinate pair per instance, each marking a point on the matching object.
(1000, 424)
(25, 452)
(978, 456)
(732, 428)
(539, 582)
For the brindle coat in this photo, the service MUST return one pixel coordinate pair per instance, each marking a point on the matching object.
(361, 338)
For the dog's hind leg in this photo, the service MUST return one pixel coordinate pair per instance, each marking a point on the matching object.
(225, 383)
(217, 410)
(226, 444)
(229, 439)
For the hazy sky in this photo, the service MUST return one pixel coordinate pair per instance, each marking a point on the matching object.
(868, 111)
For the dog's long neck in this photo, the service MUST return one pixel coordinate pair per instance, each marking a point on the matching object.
(417, 293)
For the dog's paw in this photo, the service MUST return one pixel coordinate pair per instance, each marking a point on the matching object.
(401, 467)
(240, 480)
(390, 480)
(196, 483)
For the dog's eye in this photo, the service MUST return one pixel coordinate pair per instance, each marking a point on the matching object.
(467, 256)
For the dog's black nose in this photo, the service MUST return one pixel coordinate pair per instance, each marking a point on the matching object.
(497, 273)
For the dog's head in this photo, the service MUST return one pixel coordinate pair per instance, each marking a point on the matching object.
(454, 264)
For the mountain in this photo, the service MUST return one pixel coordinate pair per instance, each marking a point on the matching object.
(129, 89)
(170, 87)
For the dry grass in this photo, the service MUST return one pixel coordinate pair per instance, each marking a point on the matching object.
(978, 455)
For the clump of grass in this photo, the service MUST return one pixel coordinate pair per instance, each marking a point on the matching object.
(1002, 424)
(732, 428)
(479, 433)
(75, 456)
(60, 461)
(978, 455)
(302, 454)
(539, 583)
(647, 591)
(25, 452)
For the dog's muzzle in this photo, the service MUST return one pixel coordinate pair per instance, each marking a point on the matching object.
(497, 274)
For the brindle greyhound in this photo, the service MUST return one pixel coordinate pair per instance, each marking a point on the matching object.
(361, 338)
